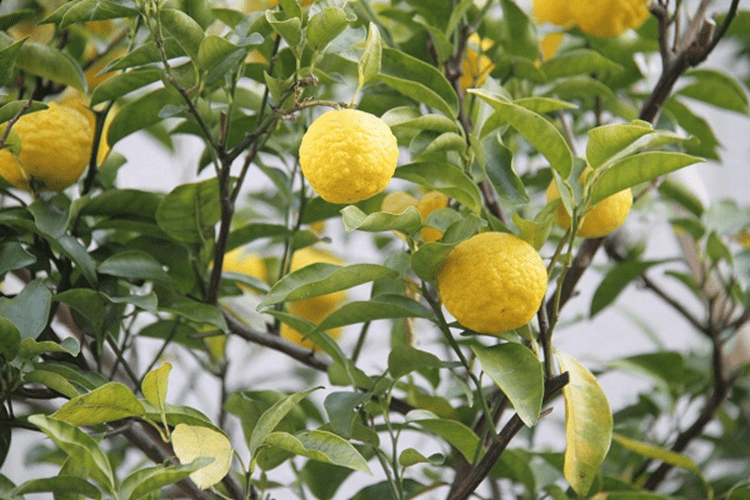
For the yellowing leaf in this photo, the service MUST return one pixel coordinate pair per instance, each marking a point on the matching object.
(191, 442)
(588, 425)
(154, 385)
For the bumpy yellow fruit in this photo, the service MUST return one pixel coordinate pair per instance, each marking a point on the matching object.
(55, 149)
(348, 155)
(428, 203)
(314, 309)
(605, 217)
(601, 18)
(77, 101)
(476, 66)
(493, 282)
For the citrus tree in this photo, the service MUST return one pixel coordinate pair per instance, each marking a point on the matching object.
(357, 293)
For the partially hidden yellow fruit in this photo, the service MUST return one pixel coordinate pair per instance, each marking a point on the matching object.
(55, 149)
(314, 309)
(241, 261)
(601, 18)
(348, 155)
(605, 217)
(93, 74)
(549, 44)
(493, 282)
(77, 101)
(396, 203)
(476, 66)
(428, 203)
(35, 33)
(256, 5)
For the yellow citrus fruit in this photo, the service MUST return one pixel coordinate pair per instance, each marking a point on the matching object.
(93, 73)
(476, 66)
(550, 43)
(256, 5)
(557, 12)
(396, 203)
(314, 309)
(55, 149)
(428, 203)
(77, 101)
(348, 155)
(36, 33)
(493, 282)
(602, 219)
(601, 18)
(243, 262)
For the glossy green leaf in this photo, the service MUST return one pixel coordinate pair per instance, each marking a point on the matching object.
(341, 408)
(427, 260)
(46, 62)
(407, 222)
(141, 113)
(324, 479)
(444, 177)
(130, 203)
(544, 104)
(49, 219)
(588, 425)
(140, 482)
(519, 374)
(706, 142)
(384, 306)
(154, 386)
(290, 29)
(120, 85)
(324, 26)
(633, 170)
(8, 56)
(216, 53)
(183, 28)
(10, 339)
(716, 88)
(110, 402)
(578, 62)
(320, 445)
(498, 163)
(76, 252)
(190, 211)
(410, 456)
(418, 80)
(405, 359)
(14, 256)
(254, 231)
(89, 304)
(271, 418)
(615, 282)
(410, 117)
(608, 140)
(542, 134)
(59, 484)
(133, 264)
(193, 442)
(79, 445)
(52, 380)
(192, 310)
(447, 141)
(369, 64)
(94, 10)
(29, 309)
(455, 433)
(581, 87)
(322, 278)
(11, 108)
(146, 54)
(30, 348)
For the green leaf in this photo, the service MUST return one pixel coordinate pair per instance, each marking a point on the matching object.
(588, 425)
(49, 219)
(455, 433)
(384, 306)
(518, 373)
(14, 256)
(47, 62)
(94, 10)
(633, 170)
(578, 62)
(322, 446)
(535, 128)
(716, 88)
(190, 309)
(410, 117)
(134, 265)
(10, 339)
(30, 348)
(544, 104)
(76, 252)
(341, 408)
(52, 380)
(615, 282)
(125, 203)
(146, 54)
(324, 479)
(404, 359)
(369, 64)
(705, 143)
(271, 418)
(678, 192)
(120, 85)
(79, 445)
(497, 161)
(29, 310)
(110, 402)
(410, 457)
(608, 140)
(447, 141)
(59, 484)
(8, 56)
(141, 113)
(190, 211)
(418, 80)
(140, 482)
(11, 108)
(154, 386)
(89, 304)
(446, 178)
(427, 260)
(184, 29)
(290, 29)
(322, 278)
(324, 26)
(657, 453)
(218, 56)
(193, 442)
(254, 231)
(407, 222)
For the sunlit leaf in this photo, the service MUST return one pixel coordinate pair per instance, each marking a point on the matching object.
(607, 140)
(455, 433)
(143, 481)
(444, 177)
(154, 386)
(406, 222)
(183, 28)
(369, 63)
(321, 446)
(192, 442)
(60, 484)
(110, 402)
(324, 26)
(383, 306)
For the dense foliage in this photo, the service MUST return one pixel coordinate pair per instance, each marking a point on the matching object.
(117, 311)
